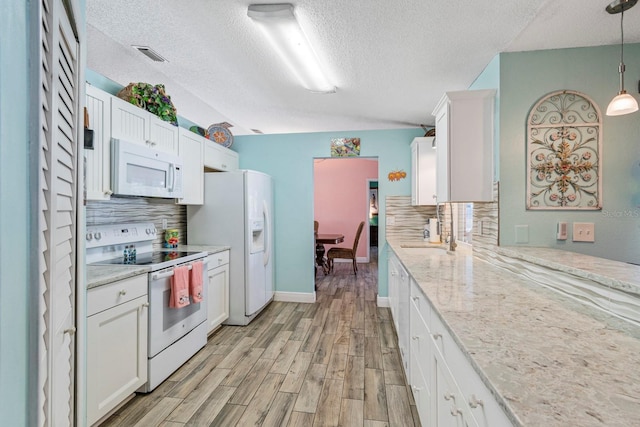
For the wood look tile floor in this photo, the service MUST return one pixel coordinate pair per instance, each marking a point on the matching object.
(331, 363)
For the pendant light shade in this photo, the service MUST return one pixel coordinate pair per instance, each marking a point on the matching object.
(623, 103)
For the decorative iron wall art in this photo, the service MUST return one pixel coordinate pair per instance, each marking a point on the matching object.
(564, 146)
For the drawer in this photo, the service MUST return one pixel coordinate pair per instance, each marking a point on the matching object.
(482, 407)
(116, 293)
(421, 303)
(218, 259)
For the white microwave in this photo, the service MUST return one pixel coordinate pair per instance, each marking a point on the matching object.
(137, 170)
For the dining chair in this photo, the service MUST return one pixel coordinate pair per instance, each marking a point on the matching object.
(346, 253)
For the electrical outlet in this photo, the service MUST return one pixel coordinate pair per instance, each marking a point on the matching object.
(584, 232)
(561, 231)
(164, 223)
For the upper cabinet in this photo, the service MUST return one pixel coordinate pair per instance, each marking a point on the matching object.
(423, 171)
(97, 168)
(219, 158)
(191, 151)
(132, 123)
(464, 146)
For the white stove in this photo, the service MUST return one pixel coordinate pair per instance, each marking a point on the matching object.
(175, 334)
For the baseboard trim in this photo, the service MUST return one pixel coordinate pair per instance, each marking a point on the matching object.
(295, 297)
(383, 301)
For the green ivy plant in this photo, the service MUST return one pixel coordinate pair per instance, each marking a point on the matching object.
(153, 99)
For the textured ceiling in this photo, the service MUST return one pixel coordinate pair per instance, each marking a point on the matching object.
(391, 61)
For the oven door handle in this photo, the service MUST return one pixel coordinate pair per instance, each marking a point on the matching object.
(160, 276)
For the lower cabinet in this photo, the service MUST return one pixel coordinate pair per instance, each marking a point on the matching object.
(218, 303)
(446, 388)
(117, 318)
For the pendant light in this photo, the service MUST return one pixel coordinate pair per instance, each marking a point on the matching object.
(623, 103)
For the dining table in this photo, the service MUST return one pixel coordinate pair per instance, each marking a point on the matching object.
(321, 240)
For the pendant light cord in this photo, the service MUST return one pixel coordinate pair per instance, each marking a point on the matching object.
(622, 67)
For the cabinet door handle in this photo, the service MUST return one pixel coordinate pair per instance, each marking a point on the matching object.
(71, 331)
(455, 411)
(417, 389)
(436, 336)
(415, 298)
(145, 304)
(415, 338)
(474, 402)
(449, 396)
(122, 292)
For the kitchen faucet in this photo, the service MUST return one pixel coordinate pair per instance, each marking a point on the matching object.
(452, 239)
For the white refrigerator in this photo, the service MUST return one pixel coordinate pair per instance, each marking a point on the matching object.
(237, 212)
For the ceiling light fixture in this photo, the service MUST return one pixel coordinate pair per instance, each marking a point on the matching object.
(281, 28)
(623, 103)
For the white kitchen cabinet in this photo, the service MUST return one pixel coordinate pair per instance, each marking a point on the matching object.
(464, 146)
(116, 344)
(219, 158)
(191, 151)
(399, 303)
(423, 171)
(218, 299)
(446, 388)
(134, 124)
(98, 159)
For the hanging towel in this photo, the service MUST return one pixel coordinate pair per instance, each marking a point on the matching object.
(179, 287)
(195, 284)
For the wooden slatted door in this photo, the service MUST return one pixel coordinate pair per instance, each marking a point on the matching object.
(59, 124)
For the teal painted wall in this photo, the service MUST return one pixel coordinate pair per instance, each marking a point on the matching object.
(288, 158)
(527, 76)
(15, 276)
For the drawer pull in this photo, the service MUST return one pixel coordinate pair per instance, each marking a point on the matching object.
(145, 304)
(122, 292)
(449, 396)
(70, 331)
(436, 336)
(415, 298)
(416, 389)
(474, 402)
(415, 337)
(455, 411)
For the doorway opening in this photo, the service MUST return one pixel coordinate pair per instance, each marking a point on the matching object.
(342, 199)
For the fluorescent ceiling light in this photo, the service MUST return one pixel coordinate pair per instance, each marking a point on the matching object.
(281, 28)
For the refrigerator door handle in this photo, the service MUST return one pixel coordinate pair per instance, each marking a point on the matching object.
(267, 232)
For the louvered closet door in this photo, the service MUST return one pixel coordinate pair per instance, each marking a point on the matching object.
(57, 206)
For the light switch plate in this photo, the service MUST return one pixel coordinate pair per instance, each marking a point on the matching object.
(391, 220)
(584, 232)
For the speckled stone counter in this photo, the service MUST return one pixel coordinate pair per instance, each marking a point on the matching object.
(211, 249)
(549, 359)
(98, 275)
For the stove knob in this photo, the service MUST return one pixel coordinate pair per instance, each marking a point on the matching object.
(89, 236)
(153, 231)
(98, 235)
(148, 231)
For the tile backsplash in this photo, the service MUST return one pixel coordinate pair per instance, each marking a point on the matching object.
(139, 209)
(409, 221)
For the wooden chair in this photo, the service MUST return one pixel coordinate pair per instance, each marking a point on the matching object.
(346, 253)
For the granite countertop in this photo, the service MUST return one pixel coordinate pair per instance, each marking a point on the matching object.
(98, 275)
(550, 360)
(613, 274)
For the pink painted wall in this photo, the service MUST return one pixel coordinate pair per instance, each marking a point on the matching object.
(341, 197)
